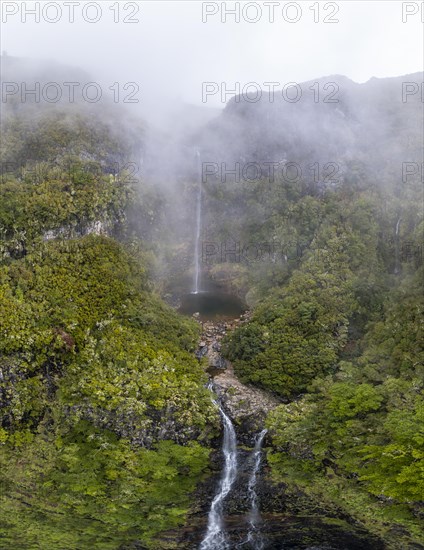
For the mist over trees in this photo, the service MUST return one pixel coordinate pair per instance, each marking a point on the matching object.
(312, 215)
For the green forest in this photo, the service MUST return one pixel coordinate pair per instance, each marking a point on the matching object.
(93, 363)
(106, 424)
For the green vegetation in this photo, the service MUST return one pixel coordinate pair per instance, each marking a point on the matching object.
(338, 334)
(296, 334)
(105, 420)
(358, 434)
(93, 366)
(87, 488)
(67, 203)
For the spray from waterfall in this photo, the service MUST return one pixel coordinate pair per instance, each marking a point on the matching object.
(215, 538)
(254, 536)
(196, 288)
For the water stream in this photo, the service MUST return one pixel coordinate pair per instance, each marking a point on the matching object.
(215, 538)
(254, 537)
(228, 529)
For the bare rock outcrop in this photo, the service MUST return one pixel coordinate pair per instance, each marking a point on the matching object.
(246, 405)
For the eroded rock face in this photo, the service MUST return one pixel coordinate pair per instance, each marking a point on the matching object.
(210, 343)
(247, 406)
(143, 431)
(99, 227)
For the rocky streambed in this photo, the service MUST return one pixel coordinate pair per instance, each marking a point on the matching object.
(289, 519)
(247, 406)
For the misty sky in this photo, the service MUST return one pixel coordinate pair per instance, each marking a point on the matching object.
(170, 51)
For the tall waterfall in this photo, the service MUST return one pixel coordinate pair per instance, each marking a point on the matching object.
(197, 252)
(215, 538)
(397, 259)
(254, 536)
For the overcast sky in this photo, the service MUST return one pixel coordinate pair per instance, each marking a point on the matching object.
(170, 51)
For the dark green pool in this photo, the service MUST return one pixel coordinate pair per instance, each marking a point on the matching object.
(212, 305)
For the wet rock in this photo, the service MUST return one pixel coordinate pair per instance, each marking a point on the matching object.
(216, 346)
(248, 407)
(216, 361)
(290, 520)
(201, 351)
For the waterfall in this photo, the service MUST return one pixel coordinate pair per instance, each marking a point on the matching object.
(397, 261)
(198, 226)
(215, 538)
(254, 536)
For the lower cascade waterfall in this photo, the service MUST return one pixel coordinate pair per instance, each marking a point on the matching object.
(254, 536)
(215, 538)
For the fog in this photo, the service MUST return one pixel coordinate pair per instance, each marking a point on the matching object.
(330, 85)
(211, 264)
(168, 51)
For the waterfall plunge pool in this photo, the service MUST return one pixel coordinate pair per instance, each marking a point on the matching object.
(212, 305)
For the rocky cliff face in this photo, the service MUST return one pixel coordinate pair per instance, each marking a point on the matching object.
(156, 425)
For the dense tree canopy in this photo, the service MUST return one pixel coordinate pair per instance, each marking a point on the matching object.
(105, 422)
